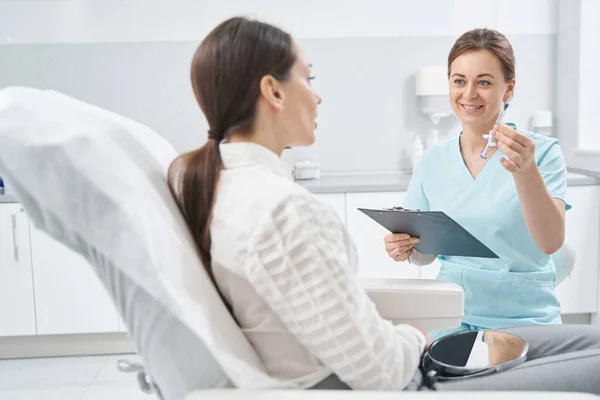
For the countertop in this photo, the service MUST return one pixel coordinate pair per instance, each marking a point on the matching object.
(379, 182)
(396, 182)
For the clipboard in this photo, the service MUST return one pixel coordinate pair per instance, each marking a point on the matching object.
(438, 233)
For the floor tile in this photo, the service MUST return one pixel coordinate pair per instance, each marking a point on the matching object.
(58, 371)
(63, 392)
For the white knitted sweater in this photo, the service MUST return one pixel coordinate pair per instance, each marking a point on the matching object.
(286, 265)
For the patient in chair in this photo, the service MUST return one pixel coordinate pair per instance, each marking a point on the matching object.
(284, 263)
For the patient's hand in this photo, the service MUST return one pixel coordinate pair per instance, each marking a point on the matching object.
(399, 246)
(428, 338)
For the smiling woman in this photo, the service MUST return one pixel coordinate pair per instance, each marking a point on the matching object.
(513, 200)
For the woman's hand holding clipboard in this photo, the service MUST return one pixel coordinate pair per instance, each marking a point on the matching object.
(400, 246)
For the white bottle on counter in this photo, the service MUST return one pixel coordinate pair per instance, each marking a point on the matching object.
(304, 170)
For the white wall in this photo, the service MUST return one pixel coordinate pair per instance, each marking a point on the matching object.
(589, 75)
(567, 74)
(365, 54)
(578, 86)
(91, 21)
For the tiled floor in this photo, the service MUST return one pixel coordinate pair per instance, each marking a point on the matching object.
(69, 378)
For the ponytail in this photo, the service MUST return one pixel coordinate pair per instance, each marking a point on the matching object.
(193, 179)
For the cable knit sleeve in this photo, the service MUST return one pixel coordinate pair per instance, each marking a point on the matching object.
(302, 262)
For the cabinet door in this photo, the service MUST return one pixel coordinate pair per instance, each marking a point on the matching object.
(368, 236)
(17, 312)
(69, 298)
(337, 201)
(430, 271)
(579, 293)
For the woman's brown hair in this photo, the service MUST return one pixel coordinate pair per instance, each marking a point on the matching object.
(226, 72)
(486, 39)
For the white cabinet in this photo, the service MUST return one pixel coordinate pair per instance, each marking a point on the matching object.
(69, 298)
(337, 201)
(17, 312)
(579, 293)
(430, 271)
(368, 236)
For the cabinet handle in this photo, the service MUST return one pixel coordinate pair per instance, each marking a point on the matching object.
(14, 234)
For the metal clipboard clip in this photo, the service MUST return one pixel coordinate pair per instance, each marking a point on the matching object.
(398, 208)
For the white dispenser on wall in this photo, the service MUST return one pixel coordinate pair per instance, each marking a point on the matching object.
(431, 90)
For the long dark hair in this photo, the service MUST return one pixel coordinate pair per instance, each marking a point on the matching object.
(226, 72)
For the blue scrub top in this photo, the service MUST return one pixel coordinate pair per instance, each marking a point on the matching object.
(518, 288)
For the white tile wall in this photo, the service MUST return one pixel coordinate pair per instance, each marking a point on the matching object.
(567, 94)
(590, 46)
(568, 48)
(569, 12)
(567, 75)
(341, 18)
(589, 67)
(589, 99)
(589, 136)
(527, 17)
(567, 72)
(590, 11)
(42, 21)
(567, 127)
(471, 14)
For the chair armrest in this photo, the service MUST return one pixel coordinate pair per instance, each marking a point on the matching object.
(428, 303)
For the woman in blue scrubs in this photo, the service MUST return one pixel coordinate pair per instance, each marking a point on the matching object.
(513, 201)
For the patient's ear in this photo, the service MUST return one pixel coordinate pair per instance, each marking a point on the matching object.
(271, 91)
